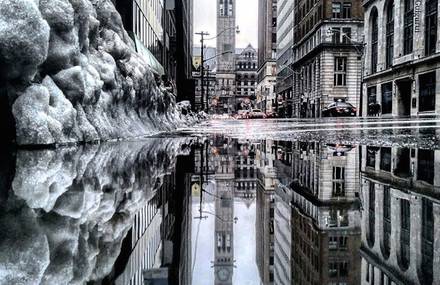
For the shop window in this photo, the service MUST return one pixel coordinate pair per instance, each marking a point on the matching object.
(387, 98)
(427, 92)
(425, 166)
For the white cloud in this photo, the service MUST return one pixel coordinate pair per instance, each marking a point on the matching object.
(247, 19)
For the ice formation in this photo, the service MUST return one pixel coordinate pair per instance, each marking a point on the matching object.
(72, 74)
(68, 210)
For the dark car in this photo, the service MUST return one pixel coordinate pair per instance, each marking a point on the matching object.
(339, 109)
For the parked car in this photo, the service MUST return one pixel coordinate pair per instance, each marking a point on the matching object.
(339, 109)
(257, 114)
(242, 114)
(271, 115)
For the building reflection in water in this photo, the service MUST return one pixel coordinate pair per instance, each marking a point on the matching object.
(329, 213)
(228, 211)
(401, 215)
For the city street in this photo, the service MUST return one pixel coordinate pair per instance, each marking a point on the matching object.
(211, 142)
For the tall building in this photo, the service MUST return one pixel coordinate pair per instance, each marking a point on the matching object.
(402, 66)
(400, 225)
(267, 41)
(184, 45)
(226, 50)
(284, 87)
(265, 196)
(327, 55)
(245, 78)
(147, 29)
(163, 29)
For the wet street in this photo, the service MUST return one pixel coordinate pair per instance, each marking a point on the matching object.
(338, 201)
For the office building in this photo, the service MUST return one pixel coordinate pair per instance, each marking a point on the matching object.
(327, 55)
(284, 86)
(267, 48)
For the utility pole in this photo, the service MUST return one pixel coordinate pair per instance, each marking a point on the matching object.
(202, 67)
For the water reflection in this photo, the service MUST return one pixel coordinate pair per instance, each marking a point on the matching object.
(221, 211)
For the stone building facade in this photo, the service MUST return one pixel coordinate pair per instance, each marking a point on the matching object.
(226, 50)
(327, 55)
(245, 78)
(325, 215)
(267, 48)
(402, 58)
(400, 220)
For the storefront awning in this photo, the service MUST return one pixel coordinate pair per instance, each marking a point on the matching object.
(151, 60)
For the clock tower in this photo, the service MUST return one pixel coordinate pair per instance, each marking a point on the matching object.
(225, 76)
(224, 220)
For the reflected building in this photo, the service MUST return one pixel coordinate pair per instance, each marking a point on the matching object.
(283, 215)
(245, 171)
(400, 220)
(224, 211)
(325, 214)
(266, 183)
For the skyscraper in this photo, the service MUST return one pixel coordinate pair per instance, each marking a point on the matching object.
(226, 51)
(267, 49)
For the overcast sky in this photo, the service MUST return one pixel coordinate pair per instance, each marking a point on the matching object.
(247, 13)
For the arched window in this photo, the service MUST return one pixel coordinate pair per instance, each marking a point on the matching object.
(408, 24)
(427, 241)
(386, 221)
(390, 34)
(374, 40)
(405, 229)
(431, 26)
(371, 214)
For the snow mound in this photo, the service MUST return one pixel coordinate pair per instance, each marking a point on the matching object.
(71, 74)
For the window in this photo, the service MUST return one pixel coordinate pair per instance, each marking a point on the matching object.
(340, 76)
(338, 182)
(408, 23)
(425, 166)
(405, 217)
(427, 240)
(386, 221)
(371, 157)
(371, 99)
(336, 10)
(371, 214)
(427, 92)
(431, 27)
(385, 159)
(336, 35)
(346, 10)
(346, 35)
(387, 98)
(389, 54)
(374, 40)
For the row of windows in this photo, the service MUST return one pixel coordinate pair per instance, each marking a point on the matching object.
(246, 65)
(408, 30)
(427, 94)
(341, 10)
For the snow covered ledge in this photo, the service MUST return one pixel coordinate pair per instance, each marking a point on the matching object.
(71, 74)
